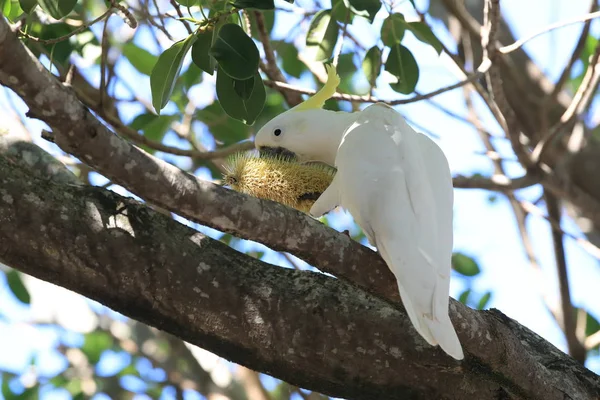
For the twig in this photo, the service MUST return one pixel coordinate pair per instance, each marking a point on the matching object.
(291, 261)
(251, 381)
(371, 99)
(592, 341)
(494, 80)
(135, 137)
(578, 104)
(68, 35)
(566, 73)
(588, 246)
(124, 12)
(271, 68)
(103, 62)
(178, 10)
(497, 182)
(336, 56)
(569, 323)
(561, 24)
(162, 21)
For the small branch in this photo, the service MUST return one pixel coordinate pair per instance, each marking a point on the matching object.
(68, 35)
(135, 137)
(497, 182)
(494, 80)
(251, 381)
(103, 62)
(588, 246)
(579, 47)
(178, 10)
(592, 341)
(516, 45)
(337, 54)
(371, 99)
(579, 103)
(569, 323)
(270, 68)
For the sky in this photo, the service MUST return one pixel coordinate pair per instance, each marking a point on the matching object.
(484, 225)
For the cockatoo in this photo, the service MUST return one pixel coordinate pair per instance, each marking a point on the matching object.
(396, 184)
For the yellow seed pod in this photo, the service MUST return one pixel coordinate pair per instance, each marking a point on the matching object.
(278, 178)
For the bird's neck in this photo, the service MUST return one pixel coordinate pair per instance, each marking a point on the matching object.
(333, 127)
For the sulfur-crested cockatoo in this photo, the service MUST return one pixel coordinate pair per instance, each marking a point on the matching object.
(396, 184)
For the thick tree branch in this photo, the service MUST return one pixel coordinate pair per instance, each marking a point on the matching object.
(306, 328)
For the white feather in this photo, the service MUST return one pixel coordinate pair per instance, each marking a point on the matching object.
(396, 183)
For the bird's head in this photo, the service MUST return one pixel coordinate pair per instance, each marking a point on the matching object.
(298, 132)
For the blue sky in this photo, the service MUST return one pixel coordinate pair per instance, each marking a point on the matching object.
(484, 229)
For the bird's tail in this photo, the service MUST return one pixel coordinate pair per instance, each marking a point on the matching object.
(443, 332)
(434, 330)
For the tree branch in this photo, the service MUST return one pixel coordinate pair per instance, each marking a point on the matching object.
(306, 328)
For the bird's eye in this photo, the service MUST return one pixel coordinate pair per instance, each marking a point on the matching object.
(277, 132)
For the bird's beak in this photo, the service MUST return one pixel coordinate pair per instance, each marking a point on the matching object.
(277, 151)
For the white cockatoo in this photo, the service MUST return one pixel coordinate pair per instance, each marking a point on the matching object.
(396, 184)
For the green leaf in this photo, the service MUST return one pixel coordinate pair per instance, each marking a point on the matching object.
(423, 32)
(244, 88)
(60, 51)
(15, 11)
(371, 65)
(16, 286)
(235, 52)
(57, 8)
(340, 12)
(464, 264)
(5, 6)
(592, 325)
(464, 296)
(402, 64)
(28, 5)
(289, 58)
(256, 4)
(392, 29)
(246, 110)
(191, 77)
(200, 52)
(322, 36)
(364, 8)
(346, 66)
(59, 381)
(94, 344)
(484, 300)
(153, 126)
(225, 130)
(187, 3)
(166, 70)
(141, 59)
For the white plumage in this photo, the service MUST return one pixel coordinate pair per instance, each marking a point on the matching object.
(396, 184)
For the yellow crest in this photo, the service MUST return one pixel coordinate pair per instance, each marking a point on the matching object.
(319, 98)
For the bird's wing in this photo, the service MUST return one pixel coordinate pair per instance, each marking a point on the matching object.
(328, 200)
(440, 180)
(386, 185)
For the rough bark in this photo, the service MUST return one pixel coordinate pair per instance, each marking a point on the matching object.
(306, 328)
(159, 281)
